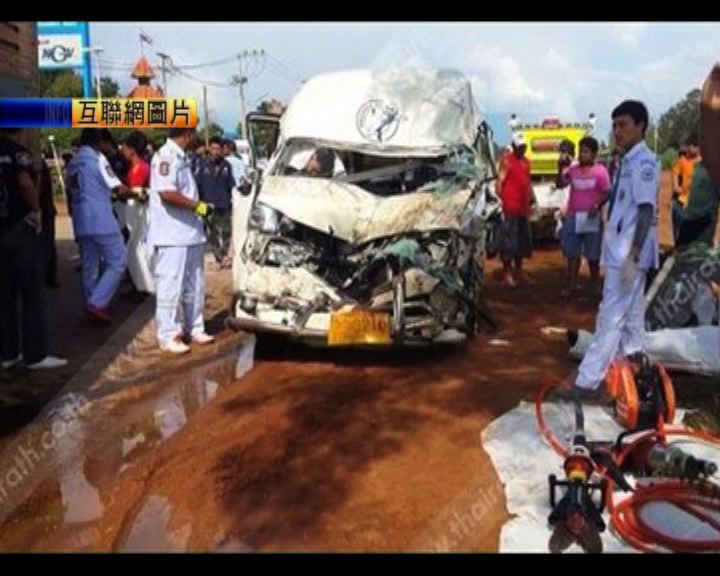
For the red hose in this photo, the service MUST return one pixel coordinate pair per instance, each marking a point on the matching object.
(555, 444)
(625, 516)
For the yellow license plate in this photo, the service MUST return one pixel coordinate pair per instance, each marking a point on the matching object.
(359, 327)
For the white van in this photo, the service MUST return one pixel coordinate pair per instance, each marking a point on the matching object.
(388, 246)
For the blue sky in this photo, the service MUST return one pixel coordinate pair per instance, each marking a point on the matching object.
(533, 69)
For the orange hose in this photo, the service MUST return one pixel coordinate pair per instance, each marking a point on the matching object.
(555, 444)
(625, 516)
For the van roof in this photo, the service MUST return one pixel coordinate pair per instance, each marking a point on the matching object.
(392, 110)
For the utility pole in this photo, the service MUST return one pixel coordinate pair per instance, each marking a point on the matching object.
(207, 126)
(97, 77)
(240, 80)
(164, 68)
(95, 50)
(51, 139)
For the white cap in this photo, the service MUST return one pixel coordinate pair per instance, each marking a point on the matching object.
(518, 140)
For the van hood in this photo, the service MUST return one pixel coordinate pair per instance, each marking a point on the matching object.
(350, 213)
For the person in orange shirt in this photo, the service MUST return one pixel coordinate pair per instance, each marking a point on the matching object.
(687, 167)
(683, 178)
(677, 179)
(677, 171)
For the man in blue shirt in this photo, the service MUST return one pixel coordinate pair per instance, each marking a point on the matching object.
(91, 183)
(215, 182)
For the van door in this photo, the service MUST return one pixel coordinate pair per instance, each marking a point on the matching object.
(263, 134)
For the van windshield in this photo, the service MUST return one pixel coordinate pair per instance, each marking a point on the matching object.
(380, 175)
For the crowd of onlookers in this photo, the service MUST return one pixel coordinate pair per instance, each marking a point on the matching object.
(106, 184)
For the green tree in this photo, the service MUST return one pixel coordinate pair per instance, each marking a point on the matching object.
(69, 84)
(650, 136)
(668, 158)
(65, 136)
(108, 87)
(680, 121)
(213, 130)
(60, 84)
(264, 134)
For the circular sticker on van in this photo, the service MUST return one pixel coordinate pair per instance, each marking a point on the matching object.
(378, 121)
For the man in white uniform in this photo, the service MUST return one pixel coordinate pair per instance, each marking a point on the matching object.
(630, 249)
(176, 233)
(90, 184)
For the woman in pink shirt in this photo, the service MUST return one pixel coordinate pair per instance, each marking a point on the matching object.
(582, 226)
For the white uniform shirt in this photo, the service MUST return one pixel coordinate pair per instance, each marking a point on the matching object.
(638, 183)
(169, 225)
(90, 181)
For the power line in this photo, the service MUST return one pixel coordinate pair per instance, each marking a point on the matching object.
(208, 64)
(256, 55)
(278, 72)
(115, 65)
(201, 81)
(256, 66)
(282, 78)
(126, 65)
(262, 61)
(282, 67)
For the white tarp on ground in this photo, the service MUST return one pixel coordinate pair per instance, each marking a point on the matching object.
(523, 462)
(694, 350)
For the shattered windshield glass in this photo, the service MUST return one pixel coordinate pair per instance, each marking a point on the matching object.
(382, 175)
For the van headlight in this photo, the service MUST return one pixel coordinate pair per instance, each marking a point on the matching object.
(264, 219)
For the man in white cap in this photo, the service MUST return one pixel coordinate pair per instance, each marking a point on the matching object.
(514, 188)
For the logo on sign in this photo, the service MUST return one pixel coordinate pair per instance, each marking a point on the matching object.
(58, 53)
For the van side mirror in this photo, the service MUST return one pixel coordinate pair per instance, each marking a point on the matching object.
(484, 145)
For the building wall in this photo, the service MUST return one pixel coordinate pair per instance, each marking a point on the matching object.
(19, 67)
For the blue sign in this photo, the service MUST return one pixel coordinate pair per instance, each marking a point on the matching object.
(62, 45)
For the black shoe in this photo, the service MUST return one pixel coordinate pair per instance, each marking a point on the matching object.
(572, 337)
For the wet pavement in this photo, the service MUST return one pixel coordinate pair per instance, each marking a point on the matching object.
(61, 472)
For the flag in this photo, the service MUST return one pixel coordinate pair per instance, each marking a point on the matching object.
(144, 37)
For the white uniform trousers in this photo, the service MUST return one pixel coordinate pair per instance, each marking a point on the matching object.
(619, 328)
(179, 283)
